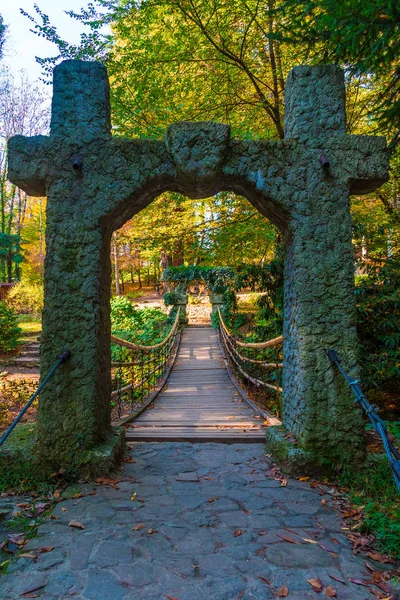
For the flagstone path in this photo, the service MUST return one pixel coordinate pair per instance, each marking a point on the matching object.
(191, 522)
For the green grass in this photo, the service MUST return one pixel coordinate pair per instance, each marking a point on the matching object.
(372, 487)
(18, 471)
(29, 325)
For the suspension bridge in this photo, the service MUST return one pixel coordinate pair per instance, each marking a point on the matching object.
(186, 389)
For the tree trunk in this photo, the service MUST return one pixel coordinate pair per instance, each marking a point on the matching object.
(116, 270)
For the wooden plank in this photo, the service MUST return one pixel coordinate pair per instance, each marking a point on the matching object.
(199, 401)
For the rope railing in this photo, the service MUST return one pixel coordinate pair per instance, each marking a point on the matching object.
(139, 370)
(371, 411)
(252, 360)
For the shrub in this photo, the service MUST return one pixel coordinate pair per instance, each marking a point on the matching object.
(26, 297)
(9, 330)
(378, 323)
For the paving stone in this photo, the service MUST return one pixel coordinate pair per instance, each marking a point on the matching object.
(112, 553)
(104, 585)
(290, 555)
(80, 553)
(194, 554)
(187, 477)
(138, 574)
(63, 583)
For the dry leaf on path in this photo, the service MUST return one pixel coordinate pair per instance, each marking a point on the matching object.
(76, 524)
(238, 532)
(264, 580)
(378, 557)
(213, 499)
(337, 579)
(330, 592)
(138, 527)
(287, 538)
(283, 591)
(316, 584)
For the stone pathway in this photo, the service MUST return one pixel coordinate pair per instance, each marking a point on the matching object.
(191, 522)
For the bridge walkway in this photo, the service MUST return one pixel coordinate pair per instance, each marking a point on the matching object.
(199, 402)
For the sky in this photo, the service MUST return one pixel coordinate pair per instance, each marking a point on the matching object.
(22, 46)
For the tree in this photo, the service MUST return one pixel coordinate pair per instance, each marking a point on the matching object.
(362, 36)
(23, 111)
(3, 29)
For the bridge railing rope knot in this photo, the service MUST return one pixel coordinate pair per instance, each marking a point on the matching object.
(141, 369)
(253, 360)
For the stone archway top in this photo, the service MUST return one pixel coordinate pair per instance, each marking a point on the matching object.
(196, 158)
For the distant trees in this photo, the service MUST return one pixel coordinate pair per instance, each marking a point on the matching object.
(23, 111)
(3, 29)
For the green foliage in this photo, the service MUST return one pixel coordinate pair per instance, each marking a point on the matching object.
(26, 297)
(378, 322)
(363, 36)
(372, 487)
(9, 330)
(18, 470)
(217, 279)
(3, 29)
(14, 394)
(145, 326)
(172, 298)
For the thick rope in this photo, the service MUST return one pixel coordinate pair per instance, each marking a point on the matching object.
(139, 347)
(269, 344)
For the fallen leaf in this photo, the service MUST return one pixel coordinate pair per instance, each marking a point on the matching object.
(27, 555)
(316, 584)
(357, 581)
(130, 460)
(57, 494)
(246, 512)
(238, 532)
(213, 499)
(284, 482)
(171, 598)
(287, 538)
(133, 496)
(283, 591)
(330, 592)
(151, 531)
(45, 549)
(310, 541)
(76, 524)
(303, 478)
(64, 509)
(264, 580)
(378, 557)
(33, 588)
(324, 502)
(138, 527)
(337, 579)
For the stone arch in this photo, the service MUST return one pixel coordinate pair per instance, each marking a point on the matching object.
(94, 182)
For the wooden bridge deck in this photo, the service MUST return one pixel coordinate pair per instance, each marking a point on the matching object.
(199, 401)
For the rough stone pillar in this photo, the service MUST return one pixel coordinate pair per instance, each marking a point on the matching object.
(74, 408)
(318, 408)
(217, 302)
